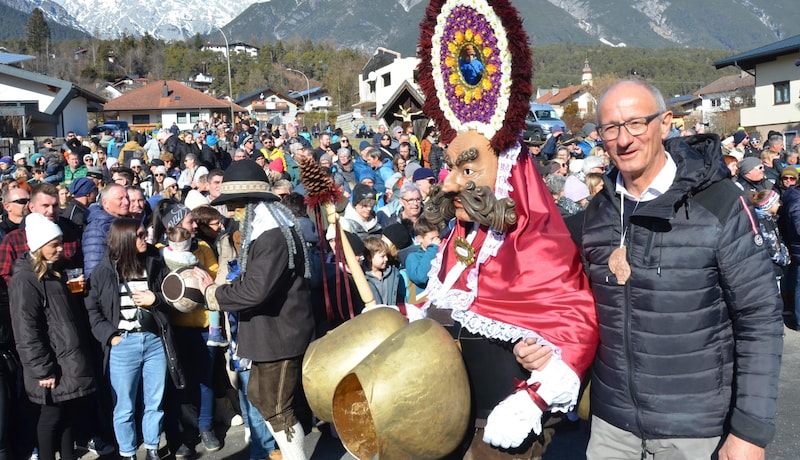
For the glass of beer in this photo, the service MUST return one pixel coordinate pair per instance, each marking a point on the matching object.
(75, 280)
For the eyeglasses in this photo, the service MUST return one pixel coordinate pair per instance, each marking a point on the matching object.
(413, 200)
(160, 175)
(22, 201)
(344, 140)
(635, 127)
(789, 178)
(141, 235)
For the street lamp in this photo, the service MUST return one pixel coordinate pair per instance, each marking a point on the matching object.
(308, 87)
(230, 84)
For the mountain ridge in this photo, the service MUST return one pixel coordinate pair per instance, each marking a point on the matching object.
(711, 24)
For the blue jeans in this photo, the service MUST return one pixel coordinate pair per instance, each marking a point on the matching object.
(139, 358)
(197, 361)
(261, 441)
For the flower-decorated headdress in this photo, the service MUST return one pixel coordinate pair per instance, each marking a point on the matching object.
(496, 104)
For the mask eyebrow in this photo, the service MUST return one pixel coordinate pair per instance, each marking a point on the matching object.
(468, 155)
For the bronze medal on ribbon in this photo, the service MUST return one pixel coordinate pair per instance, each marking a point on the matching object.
(618, 264)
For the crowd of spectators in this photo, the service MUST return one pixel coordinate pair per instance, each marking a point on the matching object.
(123, 213)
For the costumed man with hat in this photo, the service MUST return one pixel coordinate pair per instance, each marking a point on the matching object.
(272, 297)
(508, 273)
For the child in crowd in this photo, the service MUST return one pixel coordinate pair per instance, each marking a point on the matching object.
(418, 259)
(177, 255)
(384, 279)
(767, 203)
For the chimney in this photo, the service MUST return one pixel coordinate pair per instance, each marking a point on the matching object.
(554, 90)
(164, 90)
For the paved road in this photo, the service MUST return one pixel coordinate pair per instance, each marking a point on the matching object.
(569, 445)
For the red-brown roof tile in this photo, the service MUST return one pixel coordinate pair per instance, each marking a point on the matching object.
(179, 96)
(563, 95)
(727, 84)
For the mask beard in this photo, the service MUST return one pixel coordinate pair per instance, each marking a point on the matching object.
(479, 203)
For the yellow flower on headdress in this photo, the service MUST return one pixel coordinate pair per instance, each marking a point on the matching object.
(458, 38)
(467, 35)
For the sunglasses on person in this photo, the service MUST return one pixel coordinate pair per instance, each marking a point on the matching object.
(789, 178)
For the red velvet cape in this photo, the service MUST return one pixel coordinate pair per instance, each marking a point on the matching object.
(536, 281)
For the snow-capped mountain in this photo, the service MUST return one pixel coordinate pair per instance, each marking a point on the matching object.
(364, 25)
(165, 19)
(52, 10)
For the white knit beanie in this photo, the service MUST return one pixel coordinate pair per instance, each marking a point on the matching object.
(195, 199)
(39, 230)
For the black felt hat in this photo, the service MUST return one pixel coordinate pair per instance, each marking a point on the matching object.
(244, 180)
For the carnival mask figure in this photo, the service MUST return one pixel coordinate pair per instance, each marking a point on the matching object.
(509, 271)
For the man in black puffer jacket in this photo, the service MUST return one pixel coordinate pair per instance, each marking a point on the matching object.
(690, 316)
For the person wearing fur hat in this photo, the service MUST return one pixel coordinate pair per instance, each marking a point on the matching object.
(272, 297)
(52, 339)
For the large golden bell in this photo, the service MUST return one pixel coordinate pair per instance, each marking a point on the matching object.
(409, 399)
(331, 357)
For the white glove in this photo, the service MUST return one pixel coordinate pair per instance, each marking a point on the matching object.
(512, 420)
(515, 417)
(414, 313)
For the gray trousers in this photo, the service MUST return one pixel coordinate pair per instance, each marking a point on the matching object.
(609, 442)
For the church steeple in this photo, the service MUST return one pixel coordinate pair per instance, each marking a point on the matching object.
(586, 78)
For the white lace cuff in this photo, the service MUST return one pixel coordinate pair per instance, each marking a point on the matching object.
(560, 385)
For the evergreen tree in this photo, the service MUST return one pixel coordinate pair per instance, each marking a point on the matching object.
(37, 33)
